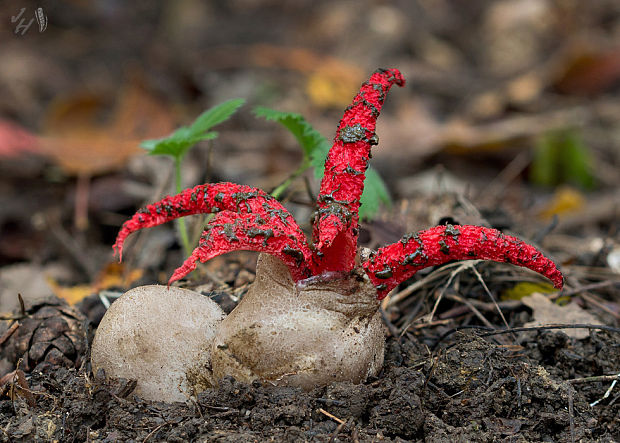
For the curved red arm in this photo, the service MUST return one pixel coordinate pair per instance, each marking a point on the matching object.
(211, 198)
(395, 263)
(336, 222)
(230, 231)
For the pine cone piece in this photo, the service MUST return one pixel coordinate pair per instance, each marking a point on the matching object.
(52, 333)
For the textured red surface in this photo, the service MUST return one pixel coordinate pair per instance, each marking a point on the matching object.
(230, 231)
(215, 198)
(250, 219)
(336, 224)
(395, 263)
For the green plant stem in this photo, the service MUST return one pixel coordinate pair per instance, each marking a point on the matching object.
(284, 185)
(181, 227)
(200, 227)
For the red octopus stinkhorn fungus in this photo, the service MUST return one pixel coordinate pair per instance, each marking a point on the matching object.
(311, 316)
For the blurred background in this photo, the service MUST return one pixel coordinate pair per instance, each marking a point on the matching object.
(510, 117)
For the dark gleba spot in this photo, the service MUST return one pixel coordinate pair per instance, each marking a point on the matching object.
(352, 134)
(443, 247)
(383, 274)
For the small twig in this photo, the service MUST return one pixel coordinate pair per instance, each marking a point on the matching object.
(430, 372)
(522, 329)
(590, 298)
(393, 329)
(332, 416)
(438, 273)
(540, 236)
(607, 393)
(150, 434)
(9, 332)
(497, 186)
(337, 431)
(597, 378)
(571, 414)
(453, 274)
(486, 289)
(22, 306)
(472, 308)
(74, 247)
(570, 292)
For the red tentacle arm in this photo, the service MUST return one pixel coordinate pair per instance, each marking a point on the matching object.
(395, 263)
(336, 222)
(230, 231)
(204, 199)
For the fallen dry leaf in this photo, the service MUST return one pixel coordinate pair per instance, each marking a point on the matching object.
(548, 313)
(566, 200)
(15, 140)
(111, 276)
(590, 72)
(82, 142)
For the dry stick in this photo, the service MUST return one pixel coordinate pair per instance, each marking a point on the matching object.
(554, 326)
(482, 306)
(82, 191)
(591, 298)
(392, 300)
(393, 329)
(522, 329)
(22, 306)
(506, 176)
(332, 416)
(9, 332)
(337, 431)
(410, 317)
(484, 285)
(571, 414)
(570, 292)
(453, 274)
(75, 250)
(473, 309)
(594, 379)
(150, 434)
(607, 393)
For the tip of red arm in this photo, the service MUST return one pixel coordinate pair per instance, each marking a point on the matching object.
(118, 250)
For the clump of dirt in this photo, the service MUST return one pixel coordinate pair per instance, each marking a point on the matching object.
(472, 389)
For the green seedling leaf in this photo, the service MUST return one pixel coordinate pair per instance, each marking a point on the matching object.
(175, 146)
(317, 160)
(375, 193)
(180, 141)
(315, 148)
(314, 145)
(215, 115)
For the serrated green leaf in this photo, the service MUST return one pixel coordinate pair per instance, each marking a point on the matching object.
(316, 147)
(215, 115)
(317, 160)
(375, 193)
(309, 138)
(175, 145)
(182, 139)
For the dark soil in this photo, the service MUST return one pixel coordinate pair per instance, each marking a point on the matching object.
(490, 85)
(473, 390)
